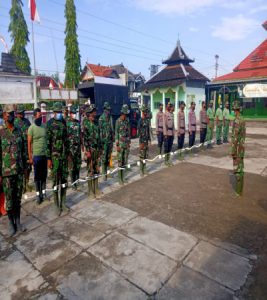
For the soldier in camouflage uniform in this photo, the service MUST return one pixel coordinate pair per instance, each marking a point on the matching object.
(106, 131)
(24, 124)
(123, 140)
(238, 148)
(13, 159)
(57, 156)
(210, 127)
(144, 138)
(91, 142)
(75, 141)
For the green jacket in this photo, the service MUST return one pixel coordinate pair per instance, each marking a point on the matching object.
(143, 130)
(238, 137)
(123, 133)
(91, 138)
(13, 154)
(106, 129)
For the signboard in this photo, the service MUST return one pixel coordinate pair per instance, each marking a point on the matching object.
(62, 94)
(16, 92)
(255, 90)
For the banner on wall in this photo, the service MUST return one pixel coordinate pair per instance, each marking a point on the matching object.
(255, 90)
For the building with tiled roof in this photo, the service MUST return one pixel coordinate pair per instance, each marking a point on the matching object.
(177, 81)
(91, 71)
(247, 82)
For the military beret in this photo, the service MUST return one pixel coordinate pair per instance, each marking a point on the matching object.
(73, 109)
(57, 107)
(144, 108)
(8, 108)
(125, 109)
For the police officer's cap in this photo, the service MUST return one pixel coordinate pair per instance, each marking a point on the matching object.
(20, 108)
(8, 108)
(160, 104)
(107, 106)
(125, 109)
(57, 107)
(182, 103)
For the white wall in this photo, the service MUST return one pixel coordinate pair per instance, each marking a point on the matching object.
(197, 95)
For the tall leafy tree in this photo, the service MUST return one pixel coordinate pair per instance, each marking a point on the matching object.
(20, 36)
(72, 54)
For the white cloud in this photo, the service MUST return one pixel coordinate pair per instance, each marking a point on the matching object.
(235, 28)
(258, 9)
(194, 29)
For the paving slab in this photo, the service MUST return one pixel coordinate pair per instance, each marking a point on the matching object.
(44, 212)
(104, 216)
(186, 284)
(146, 268)
(165, 239)
(226, 268)
(86, 278)
(29, 221)
(77, 231)
(5, 248)
(46, 249)
(19, 280)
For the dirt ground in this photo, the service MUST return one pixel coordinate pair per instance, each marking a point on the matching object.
(200, 200)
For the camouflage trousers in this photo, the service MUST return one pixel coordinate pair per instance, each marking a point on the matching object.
(59, 172)
(238, 164)
(74, 163)
(106, 154)
(226, 130)
(13, 186)
(93, 163)
(143, 152)
(123, 155)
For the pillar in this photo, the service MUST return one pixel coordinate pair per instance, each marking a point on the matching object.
(152, 110)
(163, 101)
(176, 107)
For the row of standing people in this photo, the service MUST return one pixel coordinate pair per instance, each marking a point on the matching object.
(166, 132)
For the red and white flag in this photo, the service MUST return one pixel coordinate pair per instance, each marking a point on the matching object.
(34, 12)
(51, 84)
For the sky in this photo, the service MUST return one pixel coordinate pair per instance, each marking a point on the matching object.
(139, 33)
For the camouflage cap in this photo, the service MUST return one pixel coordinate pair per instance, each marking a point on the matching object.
(20, 108)
(73, 109)
(236, 105)
(125, 109)
(90, 108)
(57, 107)
(107, 106)
(144, 108)
(8, 108)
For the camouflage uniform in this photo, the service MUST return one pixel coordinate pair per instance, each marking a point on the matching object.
(210, 128)
(144, 138)
(123, 141)
(58, 152)
(91, 142)
(23, 124)
(13, 158)
(74, 139)
(219, 123)
(106, 131)
(238, 149)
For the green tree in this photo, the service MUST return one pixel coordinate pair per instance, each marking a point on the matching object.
(20, 36)
(72, 54)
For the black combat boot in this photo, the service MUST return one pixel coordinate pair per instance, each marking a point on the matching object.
(12, 224)
(18, 225)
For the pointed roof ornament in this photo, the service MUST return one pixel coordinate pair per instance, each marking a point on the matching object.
(264, 25)
(178, 56)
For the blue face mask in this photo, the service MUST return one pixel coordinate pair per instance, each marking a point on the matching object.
(59, 116)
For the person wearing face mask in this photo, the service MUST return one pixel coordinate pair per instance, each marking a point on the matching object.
(24, 124)
(192, 126)
(219, 124)
(75, 145)
(37, 153)
(106, 131)
(57, 151)
(13, 162)
(203, 122)
(168, 132)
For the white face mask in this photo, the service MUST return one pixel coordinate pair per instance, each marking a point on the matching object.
(73, 116)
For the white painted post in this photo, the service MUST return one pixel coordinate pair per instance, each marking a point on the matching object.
(163, 102)
(152, 110)
(176, 108)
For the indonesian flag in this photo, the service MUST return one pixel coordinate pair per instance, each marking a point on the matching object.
(51, 84)
(60, 85)
(34, 12)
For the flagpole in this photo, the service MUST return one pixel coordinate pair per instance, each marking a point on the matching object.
(35, 72)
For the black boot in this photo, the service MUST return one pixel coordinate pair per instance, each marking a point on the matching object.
(12, 225)
(19, 226)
